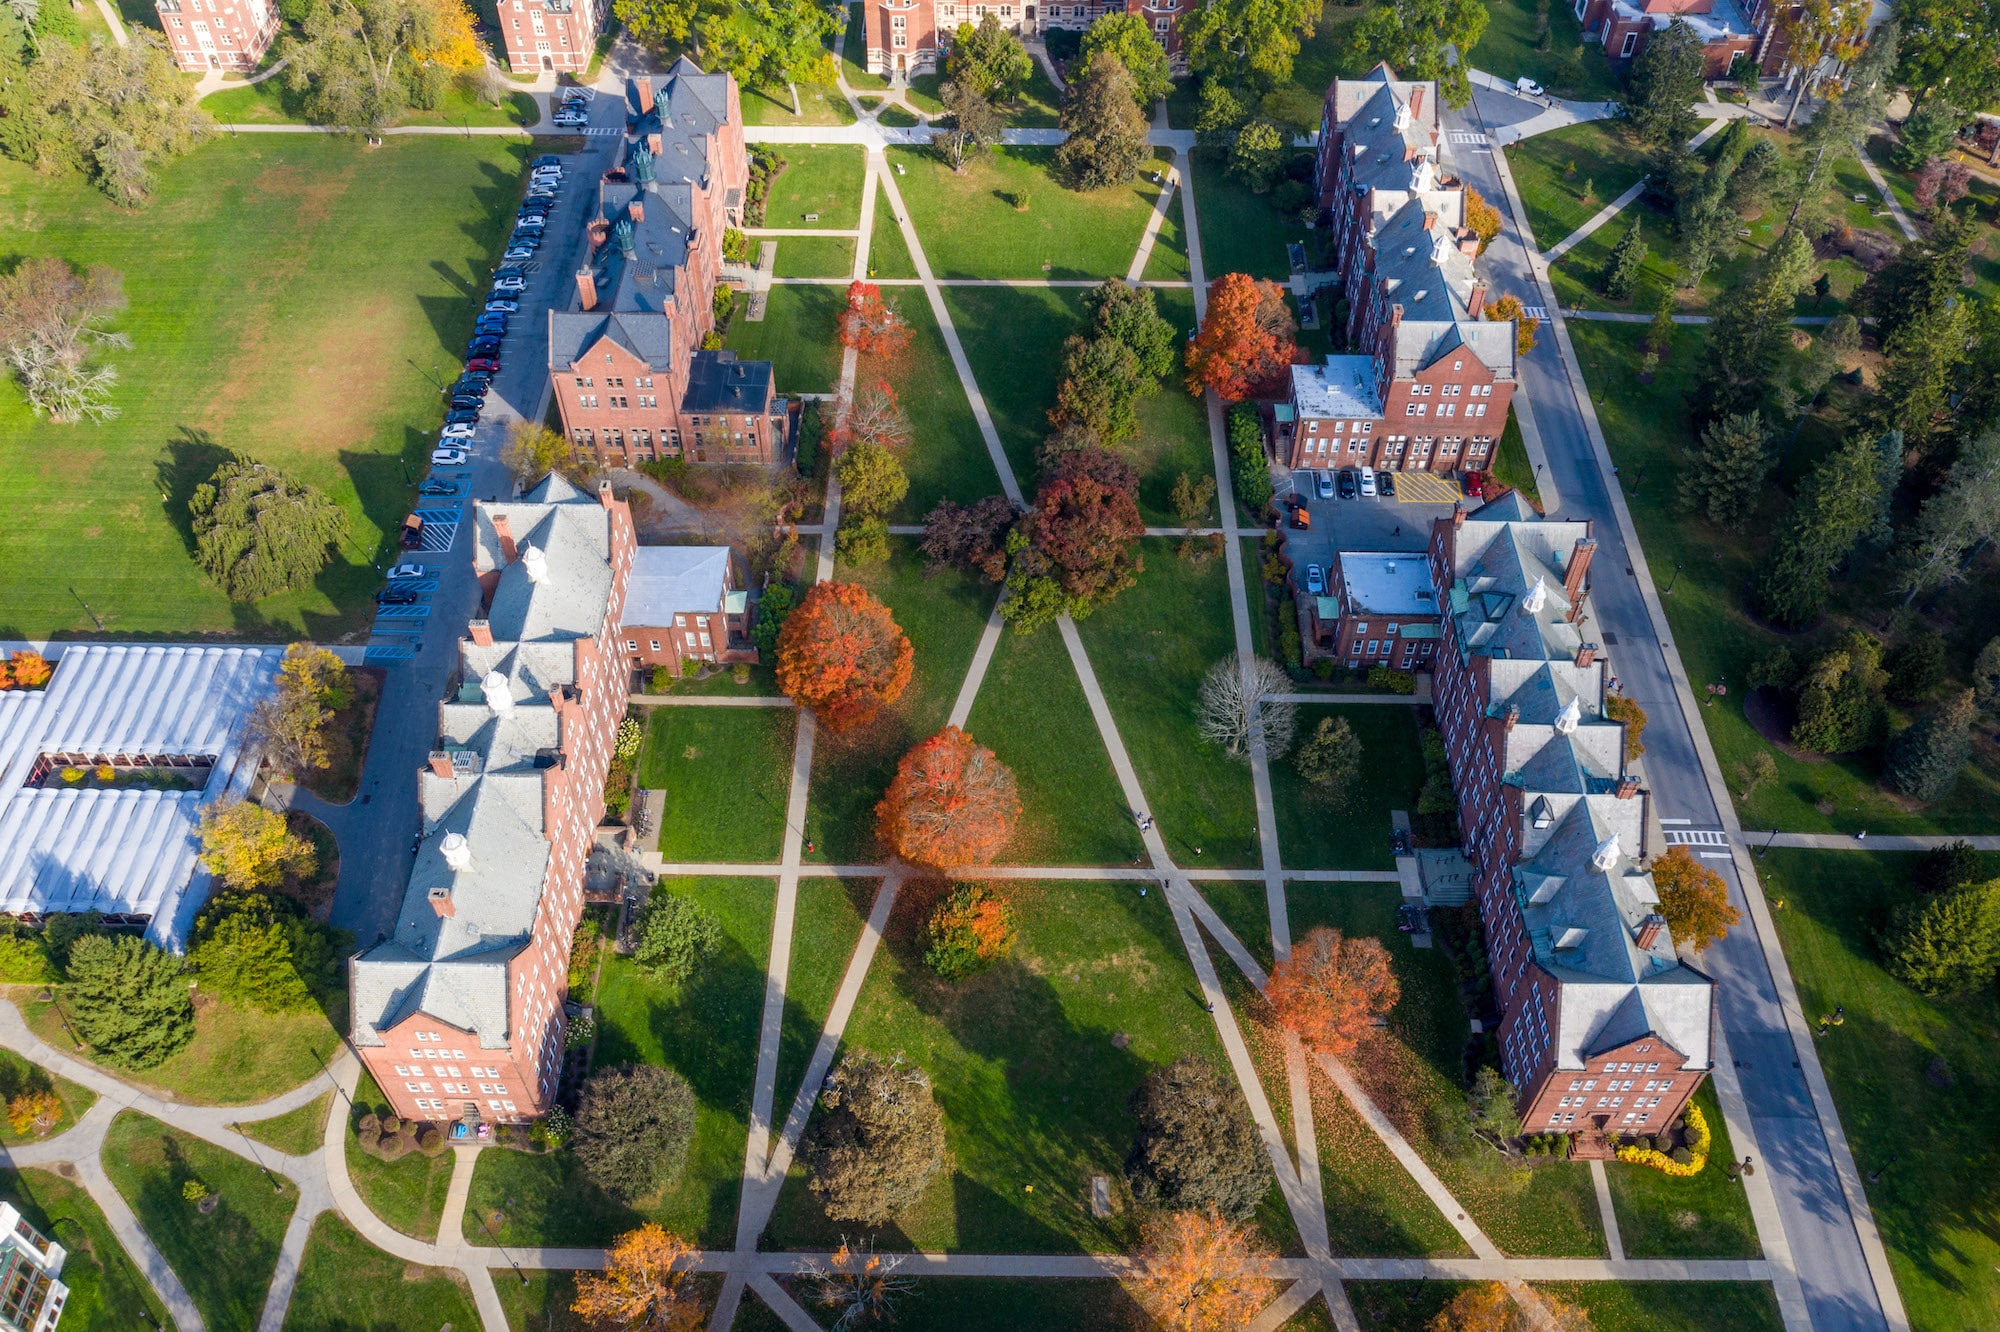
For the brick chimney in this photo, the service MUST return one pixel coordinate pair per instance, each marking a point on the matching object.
(1586, 654)
(1475, 302)
(1430, 221)
(1513, 717)
(636, 209)
(1416, 101)
(1468, 244)
(586, 288)
(1457, 515)
(504, 530)
(645, 95)
(1576, 572)
(481, 634)
(1628, 786)
(1650, 928)
(441, 901)
(604, 495)
(441, 764)
(653, 143)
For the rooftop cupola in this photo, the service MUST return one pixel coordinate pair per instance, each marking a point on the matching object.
(536, 563)
(1606, 855)
(457, 852)
(1531, 604)
(499, 696)
(1567, 719)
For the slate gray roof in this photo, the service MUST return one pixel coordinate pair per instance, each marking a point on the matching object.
(1498, 565)
(674, 580)
(572, 333)
(718, 382)
(1344, 387)
(1377, 97)
(1419, 266)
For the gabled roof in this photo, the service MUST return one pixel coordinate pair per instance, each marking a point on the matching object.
(574, 334)
(1498, 567)
(674, 580)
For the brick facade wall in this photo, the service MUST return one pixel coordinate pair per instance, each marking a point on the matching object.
(540, 37)
(913, 35)
(209, 35)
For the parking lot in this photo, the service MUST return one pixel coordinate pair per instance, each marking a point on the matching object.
(1362, 523)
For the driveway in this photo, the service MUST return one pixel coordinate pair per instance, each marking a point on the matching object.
(1358, 524)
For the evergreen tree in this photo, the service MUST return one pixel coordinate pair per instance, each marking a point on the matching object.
(1196, 1146)
(989, 60)
(1724, 477)
(1836, 506)
(1948, 943)
(1707, 227)
(1921, 360)
(1751, 328)
(1925, 760)
(1665, 86)
(242, 950)
(1927, 275)
(1840, 699)
(1943, 868)
(1107, 135)
(128, 999)
(1964, 512)
(1628, 257)
(1929, 132)
(258, 533)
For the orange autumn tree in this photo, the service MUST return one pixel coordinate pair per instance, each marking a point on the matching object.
(1488, 1307)
(1510, 307)
(1245, 340)
(1201, 1272)
(952, 803)
(644, 1286)
(1332, 988)
(841, 655)
(1693, 898)
(868, 324)
(29, 670)
(34, 1112)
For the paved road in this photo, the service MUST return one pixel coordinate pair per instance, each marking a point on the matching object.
(375, 864)
(1838, 1291)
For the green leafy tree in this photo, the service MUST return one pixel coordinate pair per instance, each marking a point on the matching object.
(1665, 86)
(1750, 331)
(1986, 675)
(1916, 665)
(676, 935)
(1100, 388)
(1130, 38)
(1840, 697)
(972, 928)
(1948, 943)
(1490, 1105)
(1724, 478)
(1835, 508)
(1929, 132)
(1921, 363)
(1220, 115)
(258, 533)
(1963, 513)
(1107, 135)
(878, 1139)
(772, 608)
(1756, 178)
(1951, 44)
(353, 63)
(533, 451)
(872, 480)
(1707, 225)
(1420, 39)
(128, 999)
(1254, 39)
(1943, 868)
(973, 126)
(763, 43)
(633, 1127)
(1132, 316)
(114, 113)
(990, 60)
(1628, 260)
(1257, 158)
(1330, 759)
(1925, 760)
(862, 540)
(260, 952)
(1249, 469)
(1196, 1147)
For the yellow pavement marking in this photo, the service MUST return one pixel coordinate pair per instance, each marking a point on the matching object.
(1426, 488)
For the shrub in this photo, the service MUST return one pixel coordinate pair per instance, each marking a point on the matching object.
(1938, 870)
(392, 1147)
(129, 999)
(676, 935)
(1395, 681)
(25, 960)
(1682, 1161)
(1249, 471)
(877, 1142)
(431, 1140)
(1947, 942)
(194, 1190)
(633, 1127)
(1196, 1146)
(969, 930)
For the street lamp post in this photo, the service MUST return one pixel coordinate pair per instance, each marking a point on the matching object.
(1675, 579)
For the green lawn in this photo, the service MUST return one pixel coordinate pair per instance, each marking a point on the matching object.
(943, 617)
(1569, 68)
(269, 103)
(149, 1163)
(296, 1133)
(1552, 171)
(825, 927)
(1914, 1079)
(1169, 260)
(1150, 648)
(344, 1281)
(407, 1193)
(1241, 232)
(825, 179)
(888, 252)
(946, 457)
(819, 103)
(541, 1302)
(969, 230)
(107, 1293)
(1648, 429)
(1013, 338)
(798, 335)
(1706, 1216)
(1032, 713)
(1173, 429)
(1614, 1306)
(814, 256)
(1025, 1065)
(988, 1304)
(1511, 466)
(726, 772)
(290, 296)
(18, 1076)
(1313, 833)
(237, 1057)
(707, 1031)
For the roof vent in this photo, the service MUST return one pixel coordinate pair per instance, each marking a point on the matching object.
(536, 563)
(499, 697)
(1531, 604)
(1421, 293)
(457, 851)
(1567, 719)
(1606, 855)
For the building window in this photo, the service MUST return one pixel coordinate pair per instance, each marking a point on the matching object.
(655, 643)
(631, 646)
(1631, 40)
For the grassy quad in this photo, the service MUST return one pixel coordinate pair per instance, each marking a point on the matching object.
(706, 1030)
(1913, 1078)
(826, 925)
(1240, 230)
(1553, 170)
(1648, 427)
(946, 457)
(408, 1193)
(1569, 68)
(1027, 1066)
(1149, 648)
(971, 228)
(888, 252)
(18, 1076)
(344, 1281)
(238, 1056)
(150, 1163)
(798, 335)
(296, 1132)
(1169, 260)
(290, 294)
(814, 257)
(270, 103)
(1705, 1216)
(822, 179)
(107, 1292)
(726, 772)
(1312, 833)
(819, 104)
(1628, 1306)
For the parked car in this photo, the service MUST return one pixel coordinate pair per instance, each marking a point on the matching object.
(525, 240)
(1387, 481)
(489, 364)
(416, 570)
(437, 488)
(465, 402)
(502, 306)
(511, 283)
(519, 252)
(1367, 483)
(1474, 484)
(529, 222)
(510, 270)
(448, 455)
(395, 596)
(1323, 483)
(547, 160)
(476, 382)
(497, 324)
(1315, 580)
(1302, 518)
(571, 120)
(1527, 87)
(1349, 488)
(459, 430)
(462, 416)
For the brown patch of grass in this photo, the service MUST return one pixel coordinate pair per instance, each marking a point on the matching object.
(347, 739)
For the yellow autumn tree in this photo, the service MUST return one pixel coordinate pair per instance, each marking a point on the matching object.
(644, 1285)
(455, 47)
(250, 847)
(1201, 1272)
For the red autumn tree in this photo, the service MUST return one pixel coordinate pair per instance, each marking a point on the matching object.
(1245, 341)
(1201, 1272)
(841, 655)
(869, 325)
(644, 1286)
(1332, 988)
(952, 803)
(1086, 534)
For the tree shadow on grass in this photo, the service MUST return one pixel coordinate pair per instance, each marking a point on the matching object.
(188, 460)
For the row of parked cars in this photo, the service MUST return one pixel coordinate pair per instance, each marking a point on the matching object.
(489, 331)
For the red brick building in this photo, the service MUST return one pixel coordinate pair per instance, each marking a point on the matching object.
(1603, 1028)
(1379, 610)
(912, 36)
(631, 381)
(550, 35)
(459, 1012)
(1429, 385)
(681, 607)
(1622, 27)
(207, 35)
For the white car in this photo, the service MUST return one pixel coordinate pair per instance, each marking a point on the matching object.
(498, 306)
(501, 285)
(1367, 483)
(1527, 87)
(457, 430)
(408, 571)
(448, 457)
(1315, 580)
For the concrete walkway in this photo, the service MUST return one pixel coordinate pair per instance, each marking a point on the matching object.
(1757, 841)
(1623, 201)
(1600, 1183)
(1881, 183)
(112, 20)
